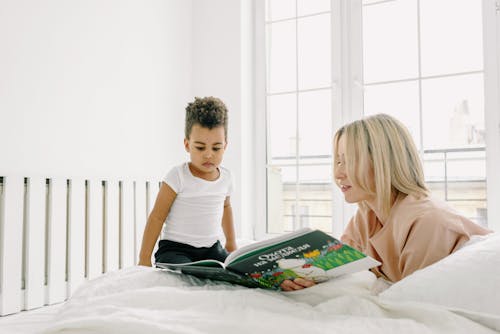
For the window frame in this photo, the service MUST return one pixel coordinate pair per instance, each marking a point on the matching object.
(491, 49)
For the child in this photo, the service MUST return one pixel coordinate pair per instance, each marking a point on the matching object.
(194, 197)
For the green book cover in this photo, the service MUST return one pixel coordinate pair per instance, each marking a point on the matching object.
(306, 253)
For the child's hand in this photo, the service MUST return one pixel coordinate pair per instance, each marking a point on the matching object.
(230, 246)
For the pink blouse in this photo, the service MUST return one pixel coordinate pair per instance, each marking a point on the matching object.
(417, 233)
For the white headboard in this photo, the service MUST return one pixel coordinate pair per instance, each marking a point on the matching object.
(56, 233)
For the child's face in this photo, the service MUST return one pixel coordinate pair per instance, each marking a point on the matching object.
(206, 148)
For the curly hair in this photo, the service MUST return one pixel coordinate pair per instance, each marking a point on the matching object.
(209, 112)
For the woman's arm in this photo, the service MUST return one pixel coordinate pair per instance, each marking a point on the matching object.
(228, 226)
(164, 200)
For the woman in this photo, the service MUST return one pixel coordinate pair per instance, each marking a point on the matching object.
(397, 222)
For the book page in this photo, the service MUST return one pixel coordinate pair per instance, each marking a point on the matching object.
(352, 267)
(201, 263)
(265, 243)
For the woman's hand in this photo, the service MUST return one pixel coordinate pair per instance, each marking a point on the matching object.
(296, 284)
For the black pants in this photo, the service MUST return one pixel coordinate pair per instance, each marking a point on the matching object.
(176, 252)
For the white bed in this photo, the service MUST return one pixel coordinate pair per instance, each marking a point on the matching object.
(460, 294)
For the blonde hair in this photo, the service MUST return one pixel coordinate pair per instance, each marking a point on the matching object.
(384, 144)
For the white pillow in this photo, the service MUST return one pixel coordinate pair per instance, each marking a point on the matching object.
(468, 279)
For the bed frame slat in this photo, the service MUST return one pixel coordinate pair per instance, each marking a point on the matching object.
(56, 241)
(112, 232)
(127, 225)
(76, 235)
(11, 240)
(35, 243)
(94, 229)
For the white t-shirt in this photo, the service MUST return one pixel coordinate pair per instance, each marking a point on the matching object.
(195, 216)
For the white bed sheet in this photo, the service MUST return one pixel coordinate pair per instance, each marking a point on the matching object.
(146, 300)
(28, 322)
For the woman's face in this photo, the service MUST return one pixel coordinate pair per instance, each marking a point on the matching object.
(352, 193)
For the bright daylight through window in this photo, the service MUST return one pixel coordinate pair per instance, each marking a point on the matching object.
(426, 73)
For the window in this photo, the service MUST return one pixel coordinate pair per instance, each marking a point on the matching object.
(430, 76)
(396, 57)
(298, 103)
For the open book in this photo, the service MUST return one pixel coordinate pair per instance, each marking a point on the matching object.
(306, 253)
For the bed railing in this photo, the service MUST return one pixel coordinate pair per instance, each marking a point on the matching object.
(55, 233)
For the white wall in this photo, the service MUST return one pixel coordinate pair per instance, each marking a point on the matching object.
(222, 67)
(98, 88)
(93, 87)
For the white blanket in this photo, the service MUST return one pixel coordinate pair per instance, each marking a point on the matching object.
(145, 300)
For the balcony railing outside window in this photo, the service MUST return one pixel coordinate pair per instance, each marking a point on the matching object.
(454, 175)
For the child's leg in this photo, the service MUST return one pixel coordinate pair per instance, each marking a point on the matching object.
(172, 252)
(216, 252)
(176, 252)
(172, 257)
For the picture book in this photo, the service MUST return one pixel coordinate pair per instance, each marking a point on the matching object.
(306, 253)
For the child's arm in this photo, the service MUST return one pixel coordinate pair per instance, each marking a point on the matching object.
(164, 200)
(228, 226)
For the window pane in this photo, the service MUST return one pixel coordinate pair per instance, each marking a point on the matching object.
(313, 206)
(399, 100)
(472, 209)
(315, 194)
(314, 53)
(275, 203)
(315, 123)
(459, 178)
(390, 41)
(453, 111)
(306, 7)
(313, 221)
(466, 190)
(282, 62)
(451, 43)
(288, 175)
(466, 166)
(321, 174)
(281, 198)
(282, 127)
(434, 171)
(279, 9)
(456, 169)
